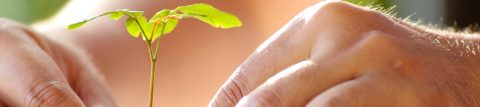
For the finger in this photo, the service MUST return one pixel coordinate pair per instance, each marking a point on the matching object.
(287, 46)
(363, 91)
(85, 79)
(30, 77)
(296, 85)
(380, 89)
(92, 88)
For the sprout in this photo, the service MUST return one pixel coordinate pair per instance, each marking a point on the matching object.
(162, 23)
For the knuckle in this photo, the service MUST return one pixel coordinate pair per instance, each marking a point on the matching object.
(7, 23)
(11, 30)
(13, 33)
(4, 29)
(331, 10)
(320, 10)
(234, 89)
(342, 15)
(379, 37)
(45, 94)
(346, 11)
(382, 42)
(387, 48)
(387, 51)
(334, 5)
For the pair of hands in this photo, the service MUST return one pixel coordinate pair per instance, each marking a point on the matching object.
(331, 54)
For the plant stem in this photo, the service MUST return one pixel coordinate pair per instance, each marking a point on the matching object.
(153, 59)
(152, 74)
(152, 54)
(159, 38)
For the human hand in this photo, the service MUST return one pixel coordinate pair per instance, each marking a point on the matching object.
(335, 54)
(36, 71)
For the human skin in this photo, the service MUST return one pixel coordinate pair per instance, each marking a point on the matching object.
(348, 50)
(40, 72)
(335, 54)
(194, 60)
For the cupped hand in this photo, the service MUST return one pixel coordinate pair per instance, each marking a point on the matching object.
(335, 54)
(36, 71)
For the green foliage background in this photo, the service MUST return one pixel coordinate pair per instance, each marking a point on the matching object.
(30, 11)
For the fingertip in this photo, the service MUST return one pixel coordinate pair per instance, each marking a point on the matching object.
(226, 97)
(52, 94)
(232, 91)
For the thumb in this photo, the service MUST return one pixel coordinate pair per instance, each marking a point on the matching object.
(29, 77)
(85, 79)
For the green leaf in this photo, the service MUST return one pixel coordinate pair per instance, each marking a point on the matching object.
(132, 13)
(160, 14)
(163, 17)
(83, 22)
(77, 25)
(134, 28)
(170, 25)
(115, 15)
(210, 15)
(164, 21)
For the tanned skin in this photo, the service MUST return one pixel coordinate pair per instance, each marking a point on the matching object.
(332, 54)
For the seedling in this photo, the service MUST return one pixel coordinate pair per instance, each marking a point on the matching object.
(162, 23)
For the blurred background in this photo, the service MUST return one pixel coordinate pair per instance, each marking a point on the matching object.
(30, 11)
(442, 13)
(458, 14)
(195, 59)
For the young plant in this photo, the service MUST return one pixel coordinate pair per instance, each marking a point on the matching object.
(162, 23)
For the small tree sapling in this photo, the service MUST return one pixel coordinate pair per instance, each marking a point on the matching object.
(162, 23)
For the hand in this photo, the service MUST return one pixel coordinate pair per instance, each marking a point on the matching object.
(39, 72)
(335, 54)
